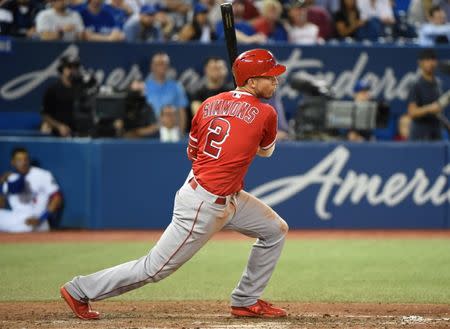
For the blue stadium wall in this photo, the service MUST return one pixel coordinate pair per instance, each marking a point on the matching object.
(131, 184)
(27, 67)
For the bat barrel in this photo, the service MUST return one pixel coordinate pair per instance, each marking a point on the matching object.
(229, 31)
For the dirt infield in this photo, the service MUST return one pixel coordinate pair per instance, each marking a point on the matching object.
(142, 235)
(214, 314)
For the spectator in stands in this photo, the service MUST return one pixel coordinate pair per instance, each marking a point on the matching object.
(402, 28)
(249, 10)
(166, 24)
(214, 14)
(348, 20)
(6, 21)
(403, 128)
(22, 15)
(120, 11)
(199, 29)
(300, 31)
(99, 22)
(269, 22)
(418, 11)
(445, 5)
(177, 10)
(245, 32)
(59, 23)
(169, 132)
(143, 27)
(58, 102)
(436, 31)
(378, 17)
(321, 17)
(32, 194)
(162, 20)
(161, 90)
(423, 107)
(140, 120)
(213, 83)
(361, 93)
(379, 9)
(134, 5)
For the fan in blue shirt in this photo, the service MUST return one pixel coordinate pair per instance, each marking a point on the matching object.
(161, 91)
(96, 17)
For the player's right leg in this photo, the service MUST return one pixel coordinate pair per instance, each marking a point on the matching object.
(194, 222)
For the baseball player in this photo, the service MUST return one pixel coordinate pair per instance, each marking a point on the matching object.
(32, 193)
(227, 132)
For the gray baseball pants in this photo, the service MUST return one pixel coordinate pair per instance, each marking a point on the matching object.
(196, 218)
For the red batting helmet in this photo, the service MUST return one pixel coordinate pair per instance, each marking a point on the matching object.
(255, 63)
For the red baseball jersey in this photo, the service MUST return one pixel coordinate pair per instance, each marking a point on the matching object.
(225, 135)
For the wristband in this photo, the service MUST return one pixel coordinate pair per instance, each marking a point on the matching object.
(46, 215)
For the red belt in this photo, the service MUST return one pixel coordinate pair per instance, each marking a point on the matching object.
(220, 200)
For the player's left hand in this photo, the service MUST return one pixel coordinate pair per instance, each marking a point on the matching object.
(32, 221)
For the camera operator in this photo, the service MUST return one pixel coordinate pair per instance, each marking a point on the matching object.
(140, 120)
(425, 103)
(67, 108)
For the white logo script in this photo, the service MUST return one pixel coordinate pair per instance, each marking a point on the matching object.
(389, 85)
(25, 83)
(355, 186)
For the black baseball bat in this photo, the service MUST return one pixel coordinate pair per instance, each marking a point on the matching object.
(230, 33)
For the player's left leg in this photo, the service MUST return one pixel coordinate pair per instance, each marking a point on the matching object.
(255, 219)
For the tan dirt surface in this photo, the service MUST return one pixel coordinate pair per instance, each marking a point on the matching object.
(214, 315)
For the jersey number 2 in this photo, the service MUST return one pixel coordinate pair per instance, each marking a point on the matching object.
(218, 131)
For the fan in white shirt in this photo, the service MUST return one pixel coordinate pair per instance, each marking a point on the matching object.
(381, 9)
(59, 23)
(300, 31)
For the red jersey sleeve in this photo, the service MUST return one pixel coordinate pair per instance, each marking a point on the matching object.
(193, 140)
(269, 130)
